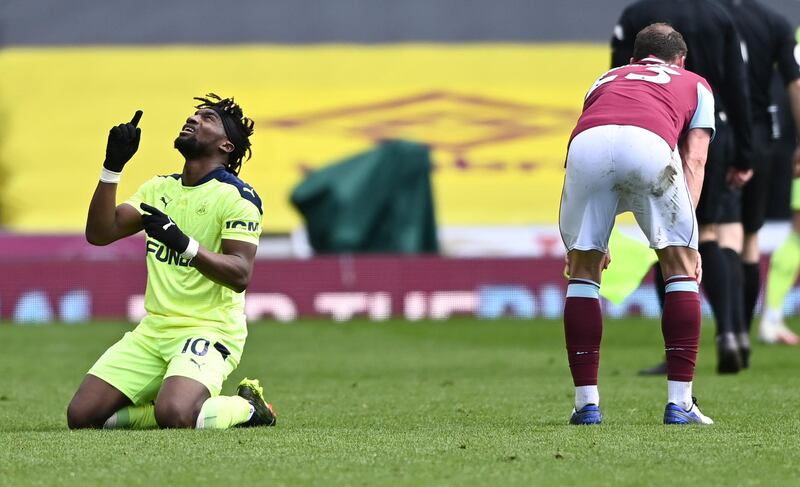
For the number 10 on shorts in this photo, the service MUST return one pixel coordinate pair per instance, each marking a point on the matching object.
(198, 346)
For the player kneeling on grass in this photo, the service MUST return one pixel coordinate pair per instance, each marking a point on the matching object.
(640, 145)
(202, 231)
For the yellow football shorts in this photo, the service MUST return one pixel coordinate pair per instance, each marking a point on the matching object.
(138, 364)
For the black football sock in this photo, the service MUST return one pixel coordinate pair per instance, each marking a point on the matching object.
(715, 284)
(752, 286)
(661, 287)
(658, 279)
(736, 290)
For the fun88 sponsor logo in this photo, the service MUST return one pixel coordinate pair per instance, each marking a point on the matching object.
(166, 255)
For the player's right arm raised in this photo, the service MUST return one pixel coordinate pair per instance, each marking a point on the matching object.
(107, 222)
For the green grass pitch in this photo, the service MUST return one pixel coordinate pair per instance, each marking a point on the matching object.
(462, 402)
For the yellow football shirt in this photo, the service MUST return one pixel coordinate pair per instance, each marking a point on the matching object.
(221, 206)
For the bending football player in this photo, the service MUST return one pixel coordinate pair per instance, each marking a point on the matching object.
(640, 145)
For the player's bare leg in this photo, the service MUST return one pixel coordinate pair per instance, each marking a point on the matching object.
(179, 402)
(248, 408)
(94, 402)
(680, 325)
(186, 403)
(583, 330)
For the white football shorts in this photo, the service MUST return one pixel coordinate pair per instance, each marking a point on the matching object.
(612, 169)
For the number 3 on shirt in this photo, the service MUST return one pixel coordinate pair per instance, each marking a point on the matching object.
(662, 76)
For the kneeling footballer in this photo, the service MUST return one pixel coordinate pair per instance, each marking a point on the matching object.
(202, 228)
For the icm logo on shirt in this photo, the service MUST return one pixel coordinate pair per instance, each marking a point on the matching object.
(234, 224)
(166, 255)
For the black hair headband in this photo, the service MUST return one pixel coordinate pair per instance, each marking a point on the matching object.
(231, 130)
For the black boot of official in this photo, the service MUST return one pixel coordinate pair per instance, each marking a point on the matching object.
(729, 360)
(744, 349)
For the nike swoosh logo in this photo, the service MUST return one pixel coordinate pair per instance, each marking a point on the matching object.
(169, 224)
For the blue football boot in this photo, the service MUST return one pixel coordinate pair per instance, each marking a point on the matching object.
(674, 414)
(589, 414)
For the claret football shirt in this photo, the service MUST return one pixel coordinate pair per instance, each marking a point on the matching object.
(651, 94)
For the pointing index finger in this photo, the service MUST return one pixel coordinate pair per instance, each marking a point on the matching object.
(136, 117)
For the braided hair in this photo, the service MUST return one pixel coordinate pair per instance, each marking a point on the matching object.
(238, 128)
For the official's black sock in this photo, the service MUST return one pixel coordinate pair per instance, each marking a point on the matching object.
(661, 286)
(716, 276)
(736, 289)
(661, 290)
(752, 287)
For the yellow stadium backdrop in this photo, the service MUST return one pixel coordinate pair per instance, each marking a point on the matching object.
(497, 116)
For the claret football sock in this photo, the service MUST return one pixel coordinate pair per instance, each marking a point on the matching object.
(783, 268)
(716, 277)
(583, 330)
(680, 325)
(223, 412)
(133, 417)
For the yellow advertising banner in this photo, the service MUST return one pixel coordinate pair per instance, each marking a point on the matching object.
(497, 117)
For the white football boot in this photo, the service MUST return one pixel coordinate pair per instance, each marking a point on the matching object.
(773, 330)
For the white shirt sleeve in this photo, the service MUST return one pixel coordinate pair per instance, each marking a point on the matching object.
(704, 113)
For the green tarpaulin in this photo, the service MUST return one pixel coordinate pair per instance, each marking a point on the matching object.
(377, 201)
